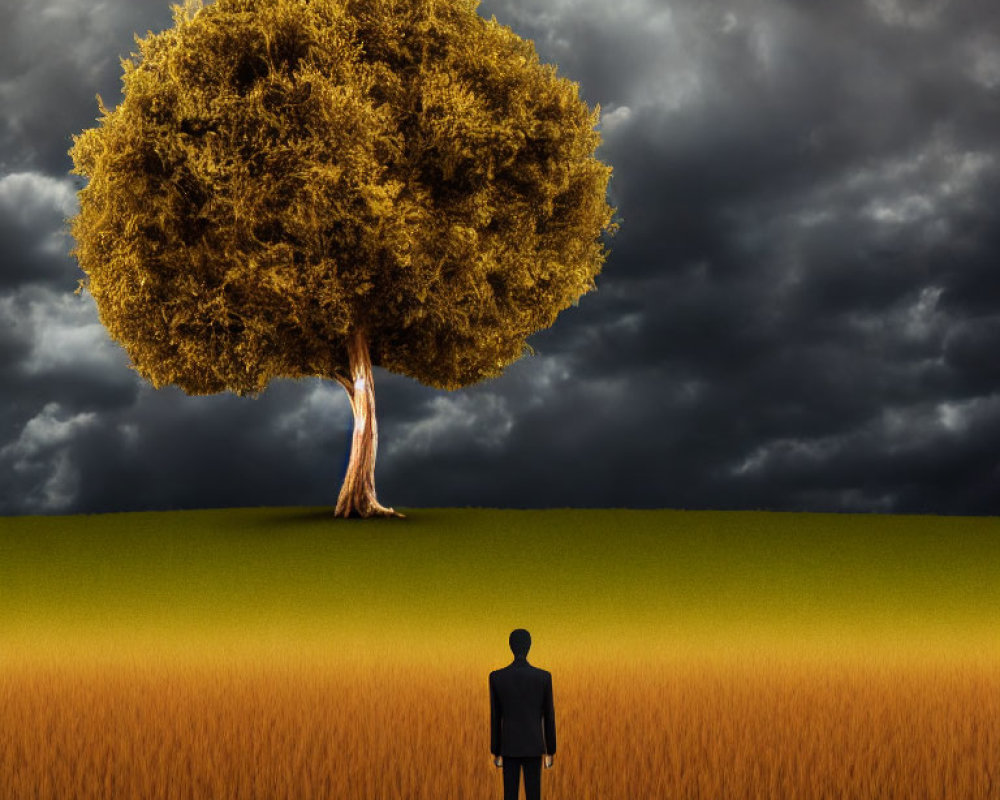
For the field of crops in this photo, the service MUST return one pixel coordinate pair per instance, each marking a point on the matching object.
(355, 730)
(273, 653)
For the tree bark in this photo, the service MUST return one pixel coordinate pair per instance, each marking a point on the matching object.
(357, 495)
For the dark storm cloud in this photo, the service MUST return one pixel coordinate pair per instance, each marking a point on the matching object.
(791, 217)
(801, 310)
(33, 243)
(56, 56)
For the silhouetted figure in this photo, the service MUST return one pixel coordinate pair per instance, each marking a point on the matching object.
(522, 720)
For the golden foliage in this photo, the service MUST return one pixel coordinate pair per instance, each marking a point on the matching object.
(281, 172)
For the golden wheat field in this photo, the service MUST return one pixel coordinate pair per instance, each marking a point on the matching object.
(349, 726)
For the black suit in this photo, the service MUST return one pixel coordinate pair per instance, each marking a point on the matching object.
(522, 724)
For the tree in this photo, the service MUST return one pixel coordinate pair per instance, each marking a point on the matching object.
(297, 188)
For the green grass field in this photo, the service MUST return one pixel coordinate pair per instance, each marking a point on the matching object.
(603, 585)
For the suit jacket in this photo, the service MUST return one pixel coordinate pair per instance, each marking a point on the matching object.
(522, 716)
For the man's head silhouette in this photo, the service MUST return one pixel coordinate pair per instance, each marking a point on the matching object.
(520, 643)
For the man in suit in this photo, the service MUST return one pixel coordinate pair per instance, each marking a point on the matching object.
(522, 720)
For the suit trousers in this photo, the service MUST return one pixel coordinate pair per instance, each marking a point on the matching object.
(532, 767)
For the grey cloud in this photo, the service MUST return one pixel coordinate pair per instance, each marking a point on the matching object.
(971, 350)
(34, 242)
(38, 464)
(57, 54)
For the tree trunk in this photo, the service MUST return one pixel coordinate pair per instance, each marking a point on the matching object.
(357, 495)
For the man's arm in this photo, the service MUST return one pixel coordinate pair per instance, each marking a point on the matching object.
(495, 714)
(549, 720)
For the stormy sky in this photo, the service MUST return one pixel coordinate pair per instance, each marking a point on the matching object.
(801, 310)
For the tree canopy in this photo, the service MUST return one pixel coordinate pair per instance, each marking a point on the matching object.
(281, 173)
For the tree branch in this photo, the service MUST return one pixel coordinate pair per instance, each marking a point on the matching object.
(346, 383)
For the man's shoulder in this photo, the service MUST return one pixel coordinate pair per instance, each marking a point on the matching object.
(538, 672)
(510, 668)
